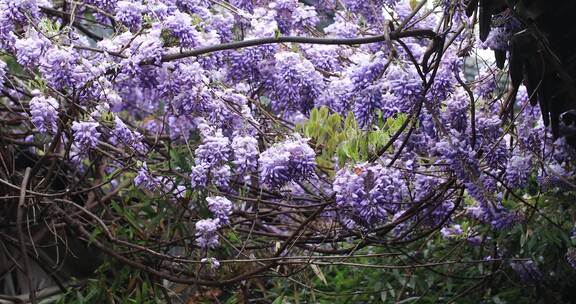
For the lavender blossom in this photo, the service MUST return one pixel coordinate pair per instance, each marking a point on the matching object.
(246, 152)
(517, 171)
(494, 214)
(487, 84)
(246, 64)
(129, 13)
(372, 10)
(444, 82)
(404, 82)
(145, 180)
(214, 149)
(213, 262)
(369, 193)
(528, 271)
(210, 159)
(368, 70)
(126, 136)
(44, 111)
(290, 160)
(296, 83)
(30, 49)
(206, 233)
(57, 66)
(284, 10)
(324, 57)
(186, 86)
(462, 160)
(221, 176)
(220, 207)
(499, 37)
(304, 16)
(243, 4)
(17, 11)
(107, 5)
(337, 96)
(86, 134)
(199, 175)
(366, 103)
(180, 25)
(342, 28)
(452, 232)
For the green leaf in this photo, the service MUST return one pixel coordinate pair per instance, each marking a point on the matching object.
(279, 300)
(350, 122)
(318, 272)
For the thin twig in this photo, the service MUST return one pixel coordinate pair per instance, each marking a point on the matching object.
(19, 214)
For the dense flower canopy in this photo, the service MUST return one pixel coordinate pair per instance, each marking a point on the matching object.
(137, 92)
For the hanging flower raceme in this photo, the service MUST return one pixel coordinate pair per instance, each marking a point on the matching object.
(324, 57)
(249, 64)
(451, 232)
(187, 87)
(372, 10)
(243, 4)
(180, 25)
(129, 13)
(296, 83)
(290, 160)
(486, 83)
(369, 194)
(211, 159)
(456, 113)
(30, 49)
(44, 111)
(456, 152)
(246, 152)
(220, 207)
(206, 236)
(517, 171)
(528, 271)
(342, 28)
(18, 11)
(86, 134)
(59, 67)
(499, 38)
(145, 180)
(284, 10)
(404, 82)
(496, 216)
(337, 96)
(215, 149)
(444, 81)
(304, 17)
(122, 134)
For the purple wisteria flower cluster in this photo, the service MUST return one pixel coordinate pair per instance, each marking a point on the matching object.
(44, 111)
(211, 160)
(370, 194)
(221, 209)
(289, 160)
(206, 231)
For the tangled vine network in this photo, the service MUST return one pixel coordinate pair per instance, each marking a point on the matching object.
(223, 144)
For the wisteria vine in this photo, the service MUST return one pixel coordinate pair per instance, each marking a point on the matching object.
(209, 112)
